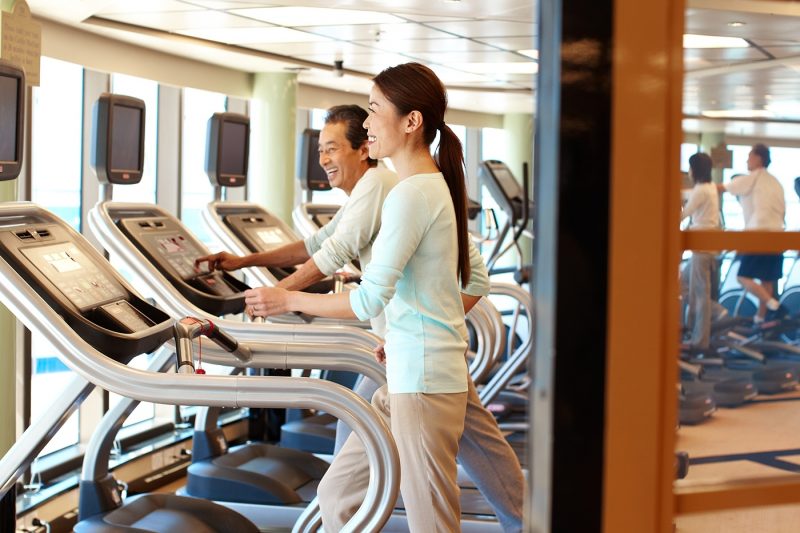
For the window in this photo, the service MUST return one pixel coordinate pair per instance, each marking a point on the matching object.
(196, 189)
(146, 90)
(687, 151)
(493, 146)
(57, 133)
(56, 185)
(731, 210)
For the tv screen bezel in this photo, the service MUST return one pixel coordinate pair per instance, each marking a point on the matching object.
(9, 170)
(102, 149)
(216, 133)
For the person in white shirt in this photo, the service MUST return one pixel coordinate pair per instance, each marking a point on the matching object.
(703, 209)
(425, 273)
(343, 152)
(764, 208)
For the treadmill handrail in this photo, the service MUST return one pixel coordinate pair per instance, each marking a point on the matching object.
(98, 449)
(27, 447)
(517, 360)
(308, 355)
(183, 389)
(173, 303)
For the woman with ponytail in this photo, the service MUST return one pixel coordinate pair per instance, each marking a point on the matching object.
(425, 273)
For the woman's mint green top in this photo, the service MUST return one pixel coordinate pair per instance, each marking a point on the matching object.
(413, 275)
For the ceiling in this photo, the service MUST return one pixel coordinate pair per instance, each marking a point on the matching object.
(760, 80)
(482, 50)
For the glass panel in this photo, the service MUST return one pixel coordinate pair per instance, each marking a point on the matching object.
(740, 362)
(56, 184)
(49, 377)
(146, 90)
(494, 143)
(143, 411)
(687, 150)
(196, 189)
(56, 147)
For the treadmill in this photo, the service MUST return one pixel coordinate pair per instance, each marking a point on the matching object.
(245, 227)
(513, 200)
(58, 285)
(129, 241)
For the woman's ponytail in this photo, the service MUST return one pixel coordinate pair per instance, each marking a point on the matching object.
(451, 163)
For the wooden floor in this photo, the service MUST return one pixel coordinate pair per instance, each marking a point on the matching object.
(755, 440)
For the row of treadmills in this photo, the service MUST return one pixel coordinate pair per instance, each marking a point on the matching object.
(64, 289)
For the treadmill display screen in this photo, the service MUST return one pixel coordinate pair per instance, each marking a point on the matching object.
(62, 262)
(8, 118)
(271, 236)
(509, 185)
(126, 128)
(171, 245)
(234, 148)
(176, 251)
(74, 274)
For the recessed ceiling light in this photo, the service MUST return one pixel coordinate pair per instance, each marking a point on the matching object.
(533, 54)
(712, 41)
(738, 113)
(736, 24)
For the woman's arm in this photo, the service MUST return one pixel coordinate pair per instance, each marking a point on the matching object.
(270, 301)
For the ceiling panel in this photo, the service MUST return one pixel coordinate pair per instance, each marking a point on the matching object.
(265, 34)
(366, 32)
(294, 15)
(228, 4)
(307, 49)
(183, 20)
(510, 43)
(427, 45)
(449, 75)
(372, 63)
(756, 26)
(784, 51)
(142, 6)
(762, 130)
(431, 18)
(724, 54)
(466, 57)
(485, 28)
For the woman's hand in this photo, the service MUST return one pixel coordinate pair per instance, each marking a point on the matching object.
(266, 301)
(220, 261)
(379, 353)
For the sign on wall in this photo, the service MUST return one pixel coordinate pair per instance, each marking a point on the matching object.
(21, 40)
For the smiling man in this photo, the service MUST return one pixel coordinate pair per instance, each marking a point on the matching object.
(344, 155)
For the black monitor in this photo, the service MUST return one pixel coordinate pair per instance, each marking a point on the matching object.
(12, 108)
(118, 150)
(227, 149)
(312, 176)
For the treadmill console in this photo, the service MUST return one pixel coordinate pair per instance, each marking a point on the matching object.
(173, 250)
(262, 232)
(80, 284)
